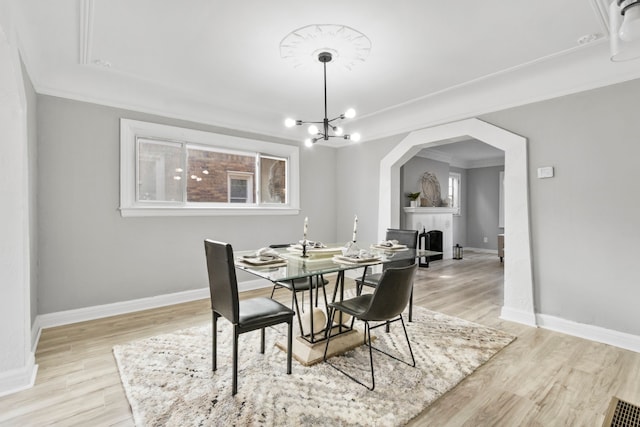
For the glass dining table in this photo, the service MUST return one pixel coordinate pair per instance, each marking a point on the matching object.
(291, 264)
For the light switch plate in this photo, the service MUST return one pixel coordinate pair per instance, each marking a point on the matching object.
(545, 172)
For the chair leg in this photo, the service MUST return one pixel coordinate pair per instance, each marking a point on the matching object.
(327, 332)
(408, 342)
(262, 340)
(273, 290)
(214, 341)
(368, 336)
(324, 293)
(235, 361)
(411, 305)
(289, 344)
(367, 341)
(295, 307)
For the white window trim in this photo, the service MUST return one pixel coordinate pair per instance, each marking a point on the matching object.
(129, 207)
(458, 208)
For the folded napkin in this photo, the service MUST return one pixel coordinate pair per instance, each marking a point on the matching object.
(264, 254)
(312, 244)
(361, 254)
(388, 243)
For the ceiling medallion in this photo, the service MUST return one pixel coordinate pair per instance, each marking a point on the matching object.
(346, 45)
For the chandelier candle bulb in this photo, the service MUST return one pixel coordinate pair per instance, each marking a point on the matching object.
(355, 227)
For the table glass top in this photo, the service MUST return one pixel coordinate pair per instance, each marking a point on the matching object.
(325, 260)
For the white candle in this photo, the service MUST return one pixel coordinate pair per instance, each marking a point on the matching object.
(355, 227)
(306, 227)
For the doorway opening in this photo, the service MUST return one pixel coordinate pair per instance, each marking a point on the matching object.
(518, 277)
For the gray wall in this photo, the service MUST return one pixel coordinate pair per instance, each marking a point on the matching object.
(411, 176)
(482, 201)
(584, 221)
(585, 227)
(358, 177)
(90, 255)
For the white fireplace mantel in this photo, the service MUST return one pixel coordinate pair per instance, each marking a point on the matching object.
(431, 210)
(427, 219)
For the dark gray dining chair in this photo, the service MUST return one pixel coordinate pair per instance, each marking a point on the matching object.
(245, 315)
(385, 305)
(409, 238)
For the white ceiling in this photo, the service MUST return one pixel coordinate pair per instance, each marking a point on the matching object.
(218, 62)
(465, 153)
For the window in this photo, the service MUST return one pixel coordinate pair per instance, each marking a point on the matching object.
(240, 187)
(454, 191)
(167, 170)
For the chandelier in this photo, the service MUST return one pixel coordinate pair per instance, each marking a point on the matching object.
(329, 127)
(624, 27)
(341, 45)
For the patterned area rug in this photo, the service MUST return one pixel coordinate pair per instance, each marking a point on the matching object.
(168, 378)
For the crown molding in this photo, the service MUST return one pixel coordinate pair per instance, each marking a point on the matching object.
(585, 70)
(576, 70)
(438, 156)
(484, 163)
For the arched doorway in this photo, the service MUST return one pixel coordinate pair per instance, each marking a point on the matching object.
(518, 277)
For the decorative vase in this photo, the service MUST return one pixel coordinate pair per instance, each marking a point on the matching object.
(414, 203)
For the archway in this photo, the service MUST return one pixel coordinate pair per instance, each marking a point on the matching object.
(518, 278)
(17, 361)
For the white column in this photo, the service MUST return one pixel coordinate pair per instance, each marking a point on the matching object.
(17, 368)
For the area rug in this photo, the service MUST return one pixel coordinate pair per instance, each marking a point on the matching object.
(169, 382)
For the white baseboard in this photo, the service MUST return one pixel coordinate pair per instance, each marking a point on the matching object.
(67, 317)
(482, 250)
(106, 310)
(17, 380)
(518, 316)
(590, 332)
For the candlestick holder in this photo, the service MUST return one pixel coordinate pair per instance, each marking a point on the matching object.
(304, 249)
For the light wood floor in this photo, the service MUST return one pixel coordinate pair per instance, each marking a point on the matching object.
(542, 379)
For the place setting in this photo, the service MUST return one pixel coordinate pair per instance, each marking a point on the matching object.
(263, 257)
(309, 249)
(390, 245)
(351, 252)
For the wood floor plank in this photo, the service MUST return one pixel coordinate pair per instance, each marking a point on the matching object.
(544, 378)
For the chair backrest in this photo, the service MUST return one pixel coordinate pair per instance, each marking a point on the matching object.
(409, 238)
(223, 283)
(392, 293)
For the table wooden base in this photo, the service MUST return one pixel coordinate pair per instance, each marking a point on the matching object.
(309, 354)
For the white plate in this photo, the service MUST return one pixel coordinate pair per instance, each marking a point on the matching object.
(355, 260)
(390, 248)
(258, 261)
